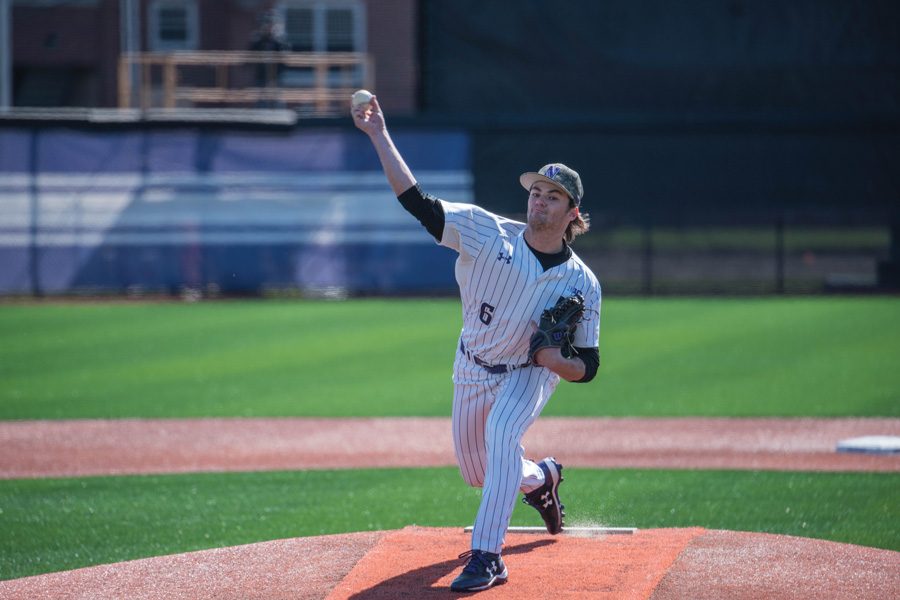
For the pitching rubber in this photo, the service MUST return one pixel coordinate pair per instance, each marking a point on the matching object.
(582, 531)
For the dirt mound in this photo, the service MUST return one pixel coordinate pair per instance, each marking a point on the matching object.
(729, 564)
(417, 562)
(291, 568)
(413, 562)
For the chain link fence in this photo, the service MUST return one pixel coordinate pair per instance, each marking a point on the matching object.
(787, 255)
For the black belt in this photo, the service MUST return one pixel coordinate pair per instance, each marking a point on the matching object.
(494, 369)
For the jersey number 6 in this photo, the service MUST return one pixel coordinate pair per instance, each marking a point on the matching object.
(486, 314)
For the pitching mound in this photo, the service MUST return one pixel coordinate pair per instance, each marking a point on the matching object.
(420, 563)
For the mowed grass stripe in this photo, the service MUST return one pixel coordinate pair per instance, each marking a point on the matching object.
(221, 359)
(660, 357)
(57, 524)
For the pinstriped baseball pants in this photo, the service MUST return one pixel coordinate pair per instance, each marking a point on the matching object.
(491, 414)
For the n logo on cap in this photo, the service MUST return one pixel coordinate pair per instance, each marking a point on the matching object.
(552, 170)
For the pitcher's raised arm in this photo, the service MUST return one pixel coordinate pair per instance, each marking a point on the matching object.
(369, 118)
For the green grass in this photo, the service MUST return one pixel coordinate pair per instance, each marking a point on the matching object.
(791, 357)
(58, 524)
(225, 358)
(716, 357)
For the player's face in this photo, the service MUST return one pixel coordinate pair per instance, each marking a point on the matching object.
(548, 207)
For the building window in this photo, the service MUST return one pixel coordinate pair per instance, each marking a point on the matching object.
(340, 34)
(299, 28)
(320, 26)
(324, 26)
(173, 25)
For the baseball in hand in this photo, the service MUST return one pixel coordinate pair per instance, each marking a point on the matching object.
(361, 98)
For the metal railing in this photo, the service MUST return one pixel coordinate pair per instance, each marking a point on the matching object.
(316, 84)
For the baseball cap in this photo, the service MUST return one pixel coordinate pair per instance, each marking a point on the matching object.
(559, 175)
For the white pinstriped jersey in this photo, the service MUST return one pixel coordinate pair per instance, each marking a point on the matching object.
(504, 288)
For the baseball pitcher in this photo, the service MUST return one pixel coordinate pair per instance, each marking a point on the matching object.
(531, 315)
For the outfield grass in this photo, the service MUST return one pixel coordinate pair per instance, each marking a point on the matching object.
(58, 524)
(713, 357)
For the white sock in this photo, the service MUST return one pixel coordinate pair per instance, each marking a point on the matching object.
(532, 476)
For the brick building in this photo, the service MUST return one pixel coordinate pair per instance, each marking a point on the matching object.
(66, 53)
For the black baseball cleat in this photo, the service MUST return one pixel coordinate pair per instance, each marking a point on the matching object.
(483, 570)
(546, 498)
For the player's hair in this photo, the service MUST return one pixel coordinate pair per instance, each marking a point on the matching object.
(578, 225)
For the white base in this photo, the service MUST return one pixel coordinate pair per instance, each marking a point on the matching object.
(871, 444)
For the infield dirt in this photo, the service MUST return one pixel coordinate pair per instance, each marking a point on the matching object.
(131, 446)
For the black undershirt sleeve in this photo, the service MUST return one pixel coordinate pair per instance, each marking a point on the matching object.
(425, 208)
(591, 359)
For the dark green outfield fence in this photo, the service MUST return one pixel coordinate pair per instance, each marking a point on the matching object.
(725, 146)
(783, 255)
(670, 109)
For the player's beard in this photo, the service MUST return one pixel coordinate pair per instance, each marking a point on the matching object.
(539, 221)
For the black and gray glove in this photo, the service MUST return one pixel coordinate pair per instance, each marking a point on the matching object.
(557, 326)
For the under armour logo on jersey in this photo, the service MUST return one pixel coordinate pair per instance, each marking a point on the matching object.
(506, 257)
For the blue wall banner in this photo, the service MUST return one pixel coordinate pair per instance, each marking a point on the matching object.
(237, 212)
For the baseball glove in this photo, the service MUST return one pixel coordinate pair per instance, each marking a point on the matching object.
(557, 326)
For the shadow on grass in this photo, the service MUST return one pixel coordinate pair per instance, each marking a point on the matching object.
(413, 584)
